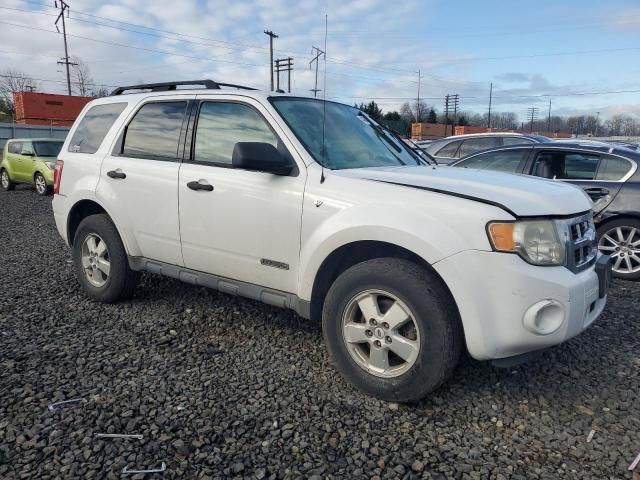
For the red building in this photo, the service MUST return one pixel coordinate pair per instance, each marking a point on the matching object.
(49, 109)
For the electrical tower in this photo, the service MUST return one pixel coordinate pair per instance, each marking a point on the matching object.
(271, 37)
(284, 65)
(532, 115)
(64, 7)
(319, 52)
(451, 103)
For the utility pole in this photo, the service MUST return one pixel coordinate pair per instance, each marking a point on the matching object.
(315, 59)
(532, 115)
(446, 114)
(450, 103)
(489, 116)
(64, 7)
(418, 106)
(597, 122)
(284, 65)
(271, 37)
(455, 98)
(549, 117)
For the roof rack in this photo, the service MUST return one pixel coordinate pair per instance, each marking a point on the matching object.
(169, 86)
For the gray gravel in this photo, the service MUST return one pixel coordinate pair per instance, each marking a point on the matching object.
(224, 387)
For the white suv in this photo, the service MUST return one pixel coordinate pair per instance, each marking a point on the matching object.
(311, 205)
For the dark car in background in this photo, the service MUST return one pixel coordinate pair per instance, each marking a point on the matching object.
(450, 149)
(608, 174)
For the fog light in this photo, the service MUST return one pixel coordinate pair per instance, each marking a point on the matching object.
(544, 317)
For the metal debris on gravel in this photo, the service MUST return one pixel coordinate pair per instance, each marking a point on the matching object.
(261, 399)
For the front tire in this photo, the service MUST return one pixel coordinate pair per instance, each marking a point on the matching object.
(620, 239)
(40, 183)
(5, 181)
(100, 261)
(392, 329)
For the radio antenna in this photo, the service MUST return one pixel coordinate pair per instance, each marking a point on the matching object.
(324, 100)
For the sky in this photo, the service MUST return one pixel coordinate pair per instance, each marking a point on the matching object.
(531, 51)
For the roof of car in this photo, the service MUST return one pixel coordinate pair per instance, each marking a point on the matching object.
(43, 139)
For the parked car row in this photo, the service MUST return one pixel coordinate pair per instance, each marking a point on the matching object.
(30, 161)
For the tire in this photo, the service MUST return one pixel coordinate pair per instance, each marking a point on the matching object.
(97, 234)
(434, 329)
(620, 238)
(5, 181)
(40, 183)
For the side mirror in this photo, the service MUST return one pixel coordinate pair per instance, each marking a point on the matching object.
(260, 157)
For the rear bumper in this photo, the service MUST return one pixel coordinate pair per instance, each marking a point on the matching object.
(509, 307)
(60, 215)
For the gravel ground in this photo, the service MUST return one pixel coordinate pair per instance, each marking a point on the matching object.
(224, 387)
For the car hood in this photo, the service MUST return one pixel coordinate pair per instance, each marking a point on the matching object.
(518, 194)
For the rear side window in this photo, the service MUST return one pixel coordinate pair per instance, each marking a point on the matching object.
(515, 140)
(15, 147)
(503, 161)
(613, 169)
(450, 150)
(474, 145)
(94, 127)
(154, 131)
(566, 166)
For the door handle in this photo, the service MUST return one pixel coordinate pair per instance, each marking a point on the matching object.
(200, 185)
(601, 192)
(116, 174)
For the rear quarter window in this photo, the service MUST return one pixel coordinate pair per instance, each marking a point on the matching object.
(15, 147)
(449, 150)
(613, 168)
(93, 127)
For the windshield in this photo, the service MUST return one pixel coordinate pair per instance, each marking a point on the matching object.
(47, 149)
(351, 139)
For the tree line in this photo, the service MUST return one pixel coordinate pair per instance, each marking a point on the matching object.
(401, 120)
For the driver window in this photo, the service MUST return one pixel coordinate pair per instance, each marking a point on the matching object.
(221, 125)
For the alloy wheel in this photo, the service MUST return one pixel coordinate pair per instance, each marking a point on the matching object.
(41, 185)
(95, 260)
(380, 333)
(623, 245)
(5, 179)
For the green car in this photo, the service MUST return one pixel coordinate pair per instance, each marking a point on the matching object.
(29, 160)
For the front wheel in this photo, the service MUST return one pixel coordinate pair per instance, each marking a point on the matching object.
(100, 260)
(621, 239)
(392, 329)
(42, 188)
(5, 181)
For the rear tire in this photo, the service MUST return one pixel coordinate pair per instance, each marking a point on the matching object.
(430, 343)
(5, 181)
(620, 238)
(100, 261)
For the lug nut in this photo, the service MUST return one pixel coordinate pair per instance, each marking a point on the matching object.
(385, 325)
(387, 339)
(373, 322)
(368, 333)
(377, 343)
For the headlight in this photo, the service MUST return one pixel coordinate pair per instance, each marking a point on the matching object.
(536, 241)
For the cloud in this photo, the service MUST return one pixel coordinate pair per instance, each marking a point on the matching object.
(624, 19)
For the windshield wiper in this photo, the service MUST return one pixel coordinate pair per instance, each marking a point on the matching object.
(381, 133)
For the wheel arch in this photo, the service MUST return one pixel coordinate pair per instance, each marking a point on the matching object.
(350, 254)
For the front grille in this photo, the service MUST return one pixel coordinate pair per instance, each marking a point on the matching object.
(582, 248)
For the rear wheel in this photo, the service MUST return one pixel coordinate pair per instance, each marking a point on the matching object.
(42, 188)
(5, 181)
(100, 260)
(391, 329)
(621, 239)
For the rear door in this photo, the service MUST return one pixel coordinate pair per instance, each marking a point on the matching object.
(597, 173)
(14, 149)
(139, 178)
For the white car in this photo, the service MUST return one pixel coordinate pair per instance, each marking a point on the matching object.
(313, 206)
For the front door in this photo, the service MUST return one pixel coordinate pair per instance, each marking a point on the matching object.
(244, 225)
(139, 179)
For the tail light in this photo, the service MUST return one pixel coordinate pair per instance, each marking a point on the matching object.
(57, 176)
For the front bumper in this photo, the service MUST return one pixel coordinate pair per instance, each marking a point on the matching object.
(500, 298)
